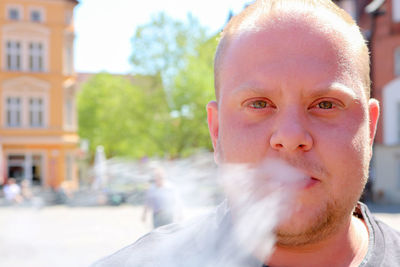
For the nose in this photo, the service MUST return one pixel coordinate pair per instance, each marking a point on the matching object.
(290, 134)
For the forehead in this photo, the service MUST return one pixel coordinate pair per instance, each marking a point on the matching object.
(295, 44)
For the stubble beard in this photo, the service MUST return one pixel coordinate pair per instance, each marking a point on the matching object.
(321, 227)
(328, 221)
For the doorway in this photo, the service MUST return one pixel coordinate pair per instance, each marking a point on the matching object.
(16, 167)
(25, 166)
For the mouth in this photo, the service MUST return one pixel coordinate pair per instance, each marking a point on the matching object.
(311, 182)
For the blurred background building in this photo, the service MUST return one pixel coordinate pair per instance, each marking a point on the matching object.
(38, 127)
(380, 23)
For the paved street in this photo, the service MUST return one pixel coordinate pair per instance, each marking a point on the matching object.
(59, 236)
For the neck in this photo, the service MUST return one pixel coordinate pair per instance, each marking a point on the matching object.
(346, 247)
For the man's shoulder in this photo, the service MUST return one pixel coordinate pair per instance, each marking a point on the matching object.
(385, 244)
(389, 251)
(165, 246)
(388, 233)
(391, 236)
(142, 252)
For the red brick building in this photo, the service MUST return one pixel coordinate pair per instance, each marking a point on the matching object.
(380, 23)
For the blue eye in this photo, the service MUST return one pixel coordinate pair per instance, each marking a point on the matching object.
(325, 105)
(258, 104)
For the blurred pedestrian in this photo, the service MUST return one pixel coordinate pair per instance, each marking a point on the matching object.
(161, 199)
(12, 191)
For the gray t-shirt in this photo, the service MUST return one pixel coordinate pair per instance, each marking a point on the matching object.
(207, 242)
(384, 241)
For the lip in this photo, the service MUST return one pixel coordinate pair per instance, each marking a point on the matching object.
(311, 182)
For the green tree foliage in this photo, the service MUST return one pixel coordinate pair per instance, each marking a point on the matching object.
(161, 111)
(194, 88)
(120, 115)
(160, 46)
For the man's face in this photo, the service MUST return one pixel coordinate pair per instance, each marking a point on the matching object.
(292, 92)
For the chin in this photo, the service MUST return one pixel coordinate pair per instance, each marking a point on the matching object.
(309, 225)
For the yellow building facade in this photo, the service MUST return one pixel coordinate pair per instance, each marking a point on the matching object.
(38, 125)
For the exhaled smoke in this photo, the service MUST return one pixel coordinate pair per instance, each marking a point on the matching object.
(259, 198)
(241, 232)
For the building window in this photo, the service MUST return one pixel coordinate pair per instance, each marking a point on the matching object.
(398, 174)
(396, 10)
(13, 13)
(13, 55)
(36, 57)
(36, 112)
(397, 61)
(13, 111)
(69, 164)
(69, 111)
(398, 122)
(36, 16)
(68, 17)
(69, 59)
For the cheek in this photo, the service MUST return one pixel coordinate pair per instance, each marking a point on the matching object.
(344, 137)
(345, 153)
(242, 142)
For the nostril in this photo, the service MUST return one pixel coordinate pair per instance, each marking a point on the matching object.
(291, 140)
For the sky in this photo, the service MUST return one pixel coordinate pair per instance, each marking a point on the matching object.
(104, 28)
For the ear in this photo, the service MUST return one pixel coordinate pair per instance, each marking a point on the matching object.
(373, 106)
(213, 123)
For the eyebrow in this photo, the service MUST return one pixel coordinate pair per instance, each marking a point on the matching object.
(253, 88)
(317, 91)
(335, 87)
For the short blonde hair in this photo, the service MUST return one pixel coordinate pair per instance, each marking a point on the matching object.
(261, 9)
